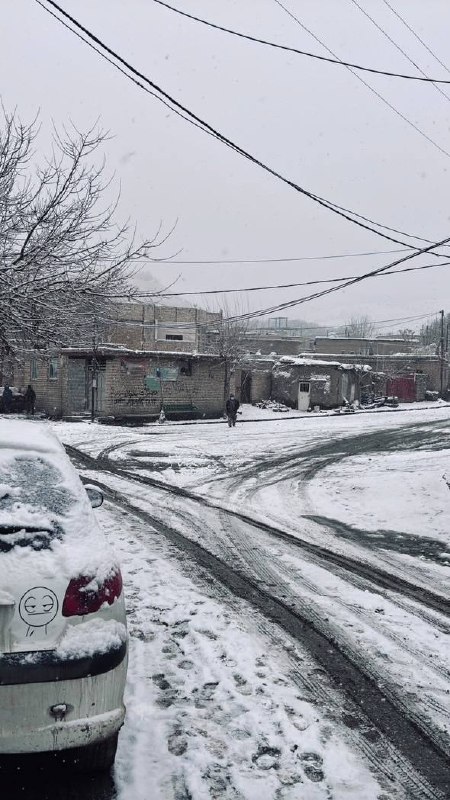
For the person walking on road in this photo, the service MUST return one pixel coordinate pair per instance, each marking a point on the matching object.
(232, 406)
(7, 399)
(30, 399)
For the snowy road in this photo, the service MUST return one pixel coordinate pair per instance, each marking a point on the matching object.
(264, 663)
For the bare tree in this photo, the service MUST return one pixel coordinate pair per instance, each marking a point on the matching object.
(63, 257)
(230, 339)
(360, 327)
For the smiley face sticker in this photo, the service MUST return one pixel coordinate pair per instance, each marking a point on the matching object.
(38, 607)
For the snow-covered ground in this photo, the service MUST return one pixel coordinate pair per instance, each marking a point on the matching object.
(217, 694)
(219, 703)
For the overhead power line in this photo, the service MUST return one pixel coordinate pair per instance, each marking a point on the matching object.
(203, 261)
(296, 51)
(177, 326)
(291, 285)
(331, 289)
(182, 111)
(367, 85)
(416, 35)
(397, 47)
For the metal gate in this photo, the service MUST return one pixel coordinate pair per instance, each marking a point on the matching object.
(403, 388)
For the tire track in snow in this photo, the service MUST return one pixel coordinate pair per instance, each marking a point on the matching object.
(379, 709)
(370, 572)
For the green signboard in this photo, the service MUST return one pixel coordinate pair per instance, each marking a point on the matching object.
(160, 375)
(151, 383)
(167, 373)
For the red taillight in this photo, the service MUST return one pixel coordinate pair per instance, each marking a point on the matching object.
(84, 595)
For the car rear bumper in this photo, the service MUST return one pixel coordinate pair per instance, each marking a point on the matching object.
(45, 666)
(94, 704)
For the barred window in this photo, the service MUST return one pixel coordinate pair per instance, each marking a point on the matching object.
(53, 368)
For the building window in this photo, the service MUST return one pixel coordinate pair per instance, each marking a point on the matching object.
(304, 387)
(186, 368)
(34, 371)
(174, 337)
(53, 368)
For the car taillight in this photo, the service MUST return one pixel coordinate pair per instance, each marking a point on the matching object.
(82, 598)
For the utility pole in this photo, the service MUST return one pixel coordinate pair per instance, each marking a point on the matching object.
(94, 371)
(442, 351)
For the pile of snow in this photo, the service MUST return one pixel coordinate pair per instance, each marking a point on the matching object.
(91, 638)
(273, 405)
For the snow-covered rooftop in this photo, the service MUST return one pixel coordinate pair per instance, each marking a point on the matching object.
(302, 361)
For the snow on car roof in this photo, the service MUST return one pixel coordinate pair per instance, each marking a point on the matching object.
(39, 488)
(18, 434)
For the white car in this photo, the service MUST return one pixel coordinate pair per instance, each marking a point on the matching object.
(63, 638)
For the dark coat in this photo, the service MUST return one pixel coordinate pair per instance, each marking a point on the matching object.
(232, 406)
(7, 394)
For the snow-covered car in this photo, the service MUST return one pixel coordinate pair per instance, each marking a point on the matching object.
(63, 638)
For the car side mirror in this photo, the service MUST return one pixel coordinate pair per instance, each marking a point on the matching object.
(95, 495)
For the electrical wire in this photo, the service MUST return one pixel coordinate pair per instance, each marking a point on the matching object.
(397, 46)
(296, 51)
(290, 285)
(196, 325)
(202, 261)
(416, 35)
(193, 119)
(374, 91)
(331, 289)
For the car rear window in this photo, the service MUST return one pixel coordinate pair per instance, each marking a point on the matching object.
(33, 503)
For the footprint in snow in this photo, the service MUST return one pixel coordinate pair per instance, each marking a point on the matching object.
(177, 742)
(241, 684)
(185, 664)
(218, 778)
(209, 634)
(312, 766)
(181, 629)
(160, 680)
(267, 757)
(240, 734)
(205, 694)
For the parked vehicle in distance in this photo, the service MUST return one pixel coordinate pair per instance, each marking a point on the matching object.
(17, 403)
(63, 640)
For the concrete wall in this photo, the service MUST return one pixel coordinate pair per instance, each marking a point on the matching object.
(280, 345)
(327, 385)
(399, 365)
(361, 346)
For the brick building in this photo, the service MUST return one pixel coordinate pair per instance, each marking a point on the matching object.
(146, 326)
(127, 383)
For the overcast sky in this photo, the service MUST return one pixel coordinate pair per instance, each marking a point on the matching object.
(313, 122)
